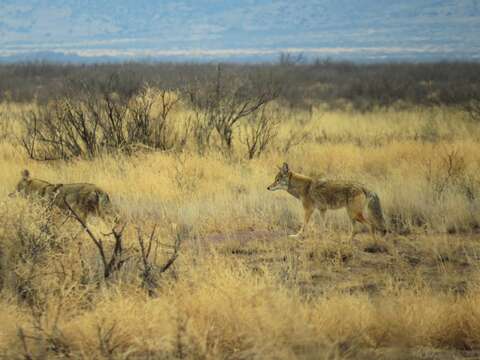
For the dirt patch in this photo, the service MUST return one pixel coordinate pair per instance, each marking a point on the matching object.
(243, 236)
(441, 262)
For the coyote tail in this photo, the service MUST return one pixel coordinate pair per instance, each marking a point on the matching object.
(374, 211)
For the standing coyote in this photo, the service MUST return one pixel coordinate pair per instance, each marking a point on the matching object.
(83, 198)
(362, 205)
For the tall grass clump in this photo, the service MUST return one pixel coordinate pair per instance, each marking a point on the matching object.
(201, 265)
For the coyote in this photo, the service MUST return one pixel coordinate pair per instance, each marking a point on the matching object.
(85, 199)
(362, 205)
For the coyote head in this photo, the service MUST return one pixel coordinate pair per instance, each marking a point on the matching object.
(282, 180)
(28, 186)
(23, 184)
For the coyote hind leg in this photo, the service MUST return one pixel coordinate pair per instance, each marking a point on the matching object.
(354, 229)
(356, 215)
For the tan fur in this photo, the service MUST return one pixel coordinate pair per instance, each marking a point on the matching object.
(85, 199)
(362, 205)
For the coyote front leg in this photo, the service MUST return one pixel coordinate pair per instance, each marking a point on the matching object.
(308, 211)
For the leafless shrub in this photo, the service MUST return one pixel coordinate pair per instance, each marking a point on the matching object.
(185, 179)
(472, 106)
(220, 104)
(449, 171)
(363, 86)
(86, 125)
(116, 260)
(150, 270)
(465, 98)
(294, 139)
(59, 131)
(148, 249)
(202, 130)
(154, 130)
(111, 111)
(290, 59)
(258, 132)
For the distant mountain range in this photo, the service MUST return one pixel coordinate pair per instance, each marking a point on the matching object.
(248, 30)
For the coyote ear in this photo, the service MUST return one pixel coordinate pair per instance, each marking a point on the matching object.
(25, 174)
(285, 167)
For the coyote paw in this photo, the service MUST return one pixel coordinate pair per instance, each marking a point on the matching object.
(296, 236)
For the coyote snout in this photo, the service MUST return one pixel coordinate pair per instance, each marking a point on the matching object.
(281, 180)
(362, 205)
(85, 199)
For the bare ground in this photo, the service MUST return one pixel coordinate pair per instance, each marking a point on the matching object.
(322, 264)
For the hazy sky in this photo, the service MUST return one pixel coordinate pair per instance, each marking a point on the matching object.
(328, 28)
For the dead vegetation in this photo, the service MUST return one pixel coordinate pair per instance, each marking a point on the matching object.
(202, 266)
(86, 126)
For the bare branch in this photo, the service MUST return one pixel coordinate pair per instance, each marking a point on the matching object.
(150, 271)
(116, 260)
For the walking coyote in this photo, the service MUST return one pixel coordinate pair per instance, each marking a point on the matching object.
(362, 205)
(85, 199)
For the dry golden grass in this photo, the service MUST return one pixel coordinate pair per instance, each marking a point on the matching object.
(240, 288)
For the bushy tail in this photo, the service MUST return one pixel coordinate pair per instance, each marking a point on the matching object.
(374, 212)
